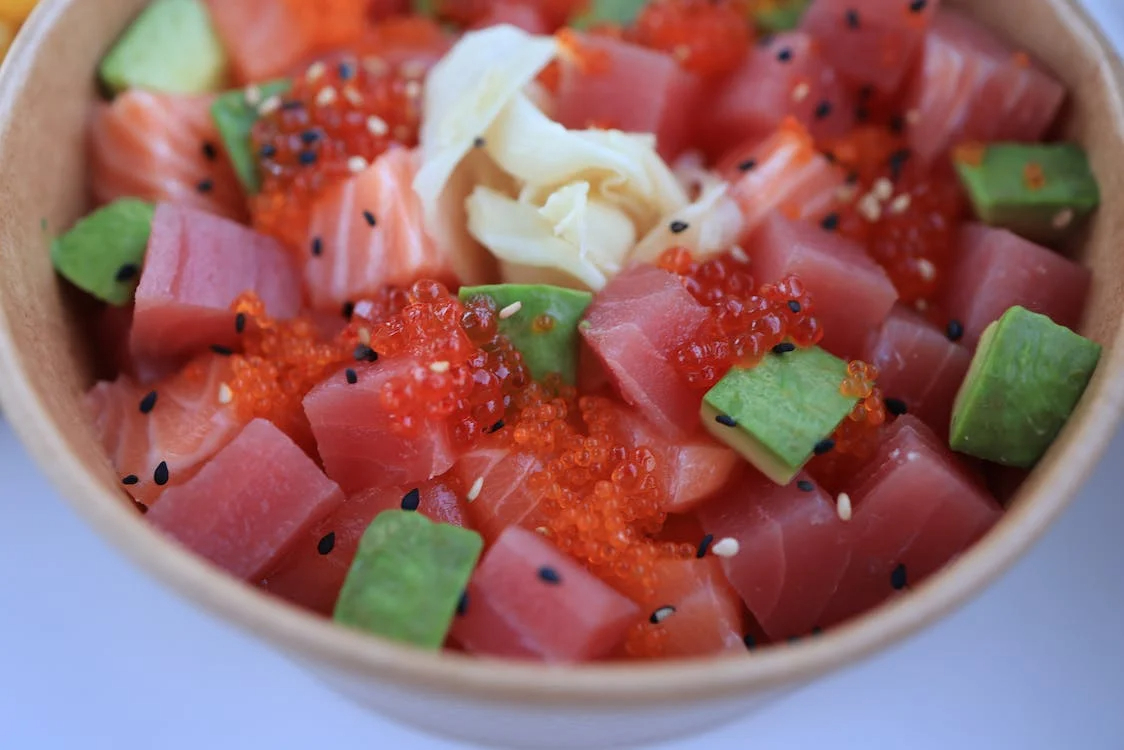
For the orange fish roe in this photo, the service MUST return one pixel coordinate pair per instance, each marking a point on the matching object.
(856, 439)
(745, 322)
(646, 640)
(708, 37)
(971, 154)
(336, 119)
(1033, 176)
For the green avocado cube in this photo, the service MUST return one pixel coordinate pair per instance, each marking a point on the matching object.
(172, 47)
(408, 577)
(1026, 377)
(542, 324)
(780, 412)
(1041, 191)
(618, 12)
(235, 113)
(779, 15)
(103, 253)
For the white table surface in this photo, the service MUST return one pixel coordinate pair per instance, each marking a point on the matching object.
(94, 654)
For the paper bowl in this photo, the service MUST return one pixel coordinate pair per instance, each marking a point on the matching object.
(45, 365)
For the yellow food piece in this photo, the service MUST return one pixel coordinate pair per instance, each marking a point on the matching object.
(16, 11)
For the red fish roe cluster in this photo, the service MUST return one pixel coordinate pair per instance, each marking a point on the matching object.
(745, 322)
(708, 37)
(856, 439)
(332, 124)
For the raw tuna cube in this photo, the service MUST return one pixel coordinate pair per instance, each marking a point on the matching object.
(870, 42)
(783, 173)
(350, 257)
(913, 510)
(694, 610)
(851, 293)
(634, 326)
(503, 497)
(312, 574)
(361, 447)
(611, 83)
(517, 14)
(195, 267)
(784, 77)
(793, 550)
(529, 600)
(998, 270)
(970, 86)
(918, 365)
(251, 504)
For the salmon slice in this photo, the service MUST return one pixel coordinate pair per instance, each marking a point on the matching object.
(162, 147)
(183, 428)
(497, 478)
(369, 232)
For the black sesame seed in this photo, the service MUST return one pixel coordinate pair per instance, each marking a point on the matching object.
(549, 574)
(726, 420)
(918, 5)
(793, 639)
(898, 160)
(955, 330)
(308, 137)
(268, 151)
(127, 272)
(327, 543)
(785, 55)
(749, 641)
(661, 614)
(824, 446)
(364, 353)
(747, 165)
(205, 185)
(307, 157)
(479, 142)
(148, 403)
(830, 156)
(411, 500)
(794, 306)
(224, 351)
(817, 630)
(462, 604)
(898, 578)
(317, 246)
(678, 227)
(784, 347)
(130, 479)
(292, 104)
(830, 222)
(897, 124)
(160, 476)
(823, 110)
(852, 178)
(852, 18)
(862, 114)
(240, 322)
(497, 426)
(346, 71)
(351, 375)
(140, 506)
(896, 406)
(348, 310)
(369, 218)
(805, 486)
(704, 546)
(866, 92)
(209, 151)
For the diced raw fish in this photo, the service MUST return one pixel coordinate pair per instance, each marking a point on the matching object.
(634, 326)
(528, 600)
(502, 496)
(918, 365)
(196, 265)
(997, 270)
(851, 293)
(518, 14)
(248, 507)
(793, 550)
(360, 443)
(611, 83)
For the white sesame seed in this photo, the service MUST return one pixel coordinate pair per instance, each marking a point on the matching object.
(926, 268)
(357, 164)
(737, 252)
(226, 395)
(439, 366)
(912, 456)
(883, 189)
(900, 204)
(843, 506)
(543, 530)
(800, 93)
(727, 547)
(364, 335)
(846, 193)
(377, 126)
(1063, 218)
(870, 207)
(921, 305)
(413, 89)
(316, 70)
(511, 309)
(270, 105)
(474, 490)
(326, 96)
(412, 69)
(913, 116)
(661, 614)
(353, 96)
(252, 94)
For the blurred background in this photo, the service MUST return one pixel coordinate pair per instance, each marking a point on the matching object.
(94, 655)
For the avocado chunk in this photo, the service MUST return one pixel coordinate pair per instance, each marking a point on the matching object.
(1042, 191)
(1026, 377)
(408, 577)
(618, 12)
(775, 16)
(172, 47)
(235, 113)
(778, 413)
(544, 328)
(103, 253)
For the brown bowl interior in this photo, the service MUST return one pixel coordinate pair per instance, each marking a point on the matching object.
(46, 363)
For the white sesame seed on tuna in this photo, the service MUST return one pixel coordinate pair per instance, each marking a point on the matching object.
(843, 506)
(474, 490)
(727, 547)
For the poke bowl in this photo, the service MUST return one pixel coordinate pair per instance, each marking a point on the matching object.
(255, 284)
